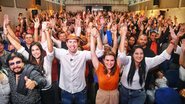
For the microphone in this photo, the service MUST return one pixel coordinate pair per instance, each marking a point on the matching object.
(71, 59)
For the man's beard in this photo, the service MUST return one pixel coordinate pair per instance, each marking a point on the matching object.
(19, 72)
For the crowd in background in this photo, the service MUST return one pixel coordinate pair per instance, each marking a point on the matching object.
(92, 57)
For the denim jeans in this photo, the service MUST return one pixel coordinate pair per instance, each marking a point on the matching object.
(76, 98)
(128, 96)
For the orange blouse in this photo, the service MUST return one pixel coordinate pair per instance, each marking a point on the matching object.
(107, 82)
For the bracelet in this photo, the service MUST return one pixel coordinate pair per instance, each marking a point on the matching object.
(178, 37)
(172, 42)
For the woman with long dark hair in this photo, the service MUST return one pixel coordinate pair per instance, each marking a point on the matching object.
(36, 55)
(135, 70)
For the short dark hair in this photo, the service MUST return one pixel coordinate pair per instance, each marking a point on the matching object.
(13, 55)
(153, 31)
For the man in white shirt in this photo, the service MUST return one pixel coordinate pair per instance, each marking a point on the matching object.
(72, 70)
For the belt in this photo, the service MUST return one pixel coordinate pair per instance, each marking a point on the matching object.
(132, 90)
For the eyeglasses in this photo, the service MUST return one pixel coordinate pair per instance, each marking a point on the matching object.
(13, 63)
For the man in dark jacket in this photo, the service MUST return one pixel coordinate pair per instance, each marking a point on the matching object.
(25, 80)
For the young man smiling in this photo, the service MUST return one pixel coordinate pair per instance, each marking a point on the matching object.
(72, 70)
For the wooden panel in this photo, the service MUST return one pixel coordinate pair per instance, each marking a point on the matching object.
(44, 4)
(183, 3)
(49, 6)
(149, 5)
(25, 3)
(169, 3)
(7, 3)
(95, 2)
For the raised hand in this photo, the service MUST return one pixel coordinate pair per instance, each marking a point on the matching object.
(114, 29)
(148, 28)
(30, 84)
(52, 22)
(36, 23)
(94, 32)
(142, 27)
(45, 25)
(123, 30)
(174, 37)
(172, 33)
(5, 23)
(84, 13)
(65, 28)
(122, 18)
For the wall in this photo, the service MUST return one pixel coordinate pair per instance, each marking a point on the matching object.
(148, 5)
(7, 3)
(183, 3)
(19, 6)
(75, 8)
(178, 12)
(12, 13)
(119, 8)
(170, 6)
(25, 3)
(79, 5)
(95, 2)
(169, 3)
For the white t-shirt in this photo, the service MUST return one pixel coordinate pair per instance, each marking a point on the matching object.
(161, 82)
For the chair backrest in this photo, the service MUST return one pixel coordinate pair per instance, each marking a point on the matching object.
(173, 77)
(167, 96)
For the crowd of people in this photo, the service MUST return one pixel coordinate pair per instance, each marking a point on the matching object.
(98, 57)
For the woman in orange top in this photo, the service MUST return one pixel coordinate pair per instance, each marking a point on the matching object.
(108, 75)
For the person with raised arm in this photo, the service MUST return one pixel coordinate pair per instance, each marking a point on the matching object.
(108, 74)
(40, 58)
(72, 71)
(135, 70)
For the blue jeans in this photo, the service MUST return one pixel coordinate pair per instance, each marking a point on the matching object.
(77, 98)
(128, 96)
